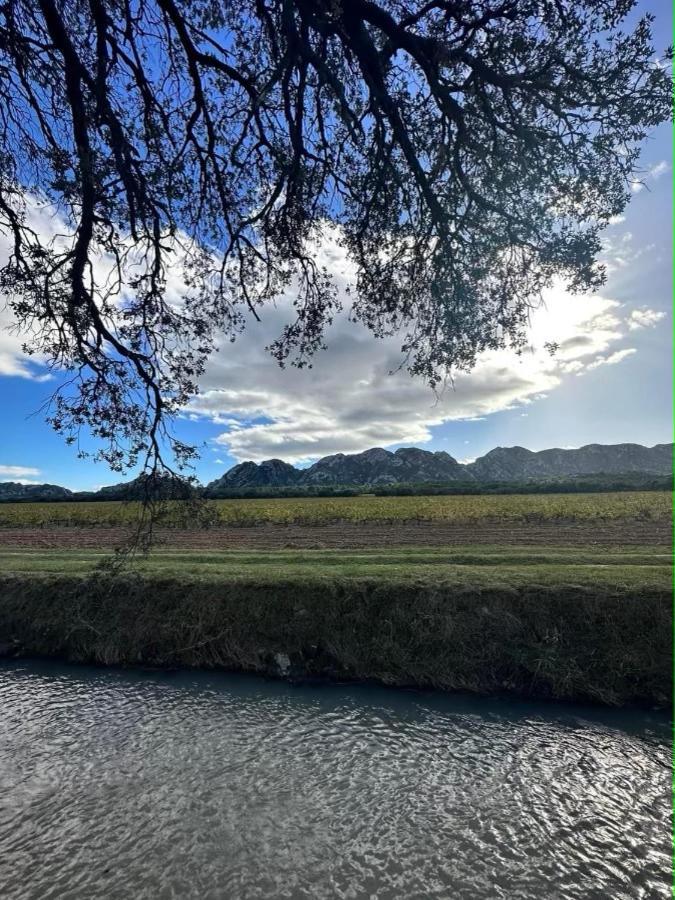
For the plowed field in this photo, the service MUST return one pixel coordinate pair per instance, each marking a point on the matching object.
(365, 535)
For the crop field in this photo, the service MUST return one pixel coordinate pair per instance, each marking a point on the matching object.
(517, 508)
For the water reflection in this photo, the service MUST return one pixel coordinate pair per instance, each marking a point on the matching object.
(194, 785)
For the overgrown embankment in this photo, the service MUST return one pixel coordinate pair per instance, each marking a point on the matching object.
(546, 630)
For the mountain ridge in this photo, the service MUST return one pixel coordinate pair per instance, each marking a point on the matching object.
(413, 465)
(379, 467)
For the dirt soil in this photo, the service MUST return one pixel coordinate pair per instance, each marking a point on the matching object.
(352, 535)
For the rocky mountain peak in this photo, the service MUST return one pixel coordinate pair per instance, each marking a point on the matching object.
(414, 465)
(269, 473)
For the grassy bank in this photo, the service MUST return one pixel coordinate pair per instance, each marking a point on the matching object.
(601, 507)
(482, 566)
(548, 624)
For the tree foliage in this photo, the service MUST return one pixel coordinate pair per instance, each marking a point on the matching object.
(193, 153)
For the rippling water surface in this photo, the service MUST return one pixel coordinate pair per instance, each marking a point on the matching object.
(147, 785)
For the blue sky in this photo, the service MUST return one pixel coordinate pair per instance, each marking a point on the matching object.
(611, 383)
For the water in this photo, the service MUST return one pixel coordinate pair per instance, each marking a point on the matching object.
(116, 784)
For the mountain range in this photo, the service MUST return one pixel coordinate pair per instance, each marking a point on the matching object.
(412, 465)
(378, 467)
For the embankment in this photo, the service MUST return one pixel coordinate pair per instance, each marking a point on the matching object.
(607, 643)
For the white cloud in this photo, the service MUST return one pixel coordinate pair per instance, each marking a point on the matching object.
(621, 254)
(54, 229)
(13, 361)
(644, 318)
(654, 172)
(573, 367)
(659, 169)
(612, 359)
(18, 473)
(350, 401)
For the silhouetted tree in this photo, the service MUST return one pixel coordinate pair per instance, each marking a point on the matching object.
(464, 152)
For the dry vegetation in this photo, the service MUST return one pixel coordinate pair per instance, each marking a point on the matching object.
(515, 508)
(553, 631)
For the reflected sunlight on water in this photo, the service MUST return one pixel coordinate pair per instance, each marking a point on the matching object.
(202, 785)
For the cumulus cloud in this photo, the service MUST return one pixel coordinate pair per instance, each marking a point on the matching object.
(13, 361)
(644, 318)
(357, 395)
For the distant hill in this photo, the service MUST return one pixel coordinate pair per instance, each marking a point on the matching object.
(164, 487)
(14, 490)
(160, 487)
(379, 469)
(518, 464)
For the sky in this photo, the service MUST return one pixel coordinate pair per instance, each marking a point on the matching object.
(610, 381)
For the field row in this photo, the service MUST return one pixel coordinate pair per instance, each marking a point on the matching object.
(479, 567)
(520, 508)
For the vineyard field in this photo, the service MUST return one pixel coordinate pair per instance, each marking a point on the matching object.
(516, 508)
